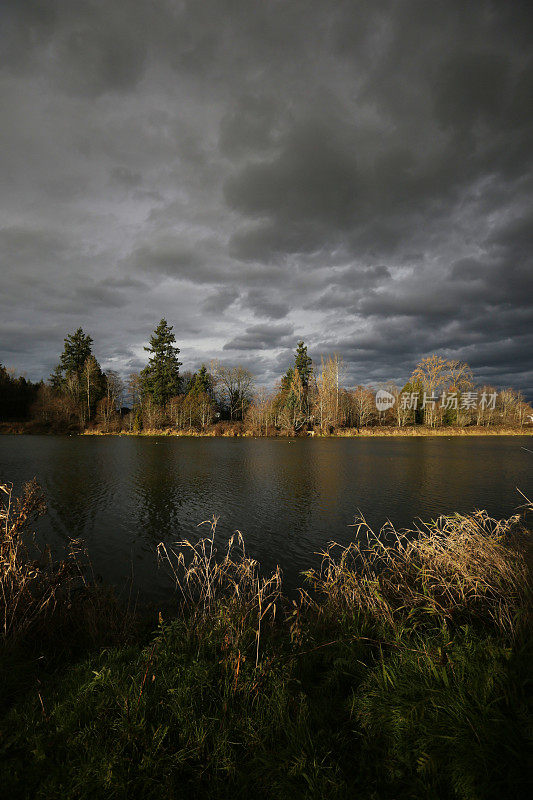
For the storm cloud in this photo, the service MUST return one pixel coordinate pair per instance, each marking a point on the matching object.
(354, 174)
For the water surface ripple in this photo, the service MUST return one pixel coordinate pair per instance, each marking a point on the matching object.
(288, 497)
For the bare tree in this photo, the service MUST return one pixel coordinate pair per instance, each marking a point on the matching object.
(114, 388)
(235, 385)
(90, 374)
(134, 387)
(432, 374)
(109, 405)
(362, 399)
(460, 379)
(329, 394)
(261, 410)
(513, 409)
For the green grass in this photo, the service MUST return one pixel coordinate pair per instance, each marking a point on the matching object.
(428, 715)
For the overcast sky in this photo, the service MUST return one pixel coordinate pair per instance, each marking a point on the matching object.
(356, 174)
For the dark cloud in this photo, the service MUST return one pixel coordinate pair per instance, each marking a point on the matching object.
(220, 300)
(357, 174)
(25, 245)
(263, 337)
(266, 303)
(471, 88)
(169, 256)
(89, 60)
(312, 180)
(251, 126)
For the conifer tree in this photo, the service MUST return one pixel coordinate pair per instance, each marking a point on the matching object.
(160, 379)
(303, 363)
(286, 380)
(76, 351)
(295, 382)
(78, 374)
(202, 382)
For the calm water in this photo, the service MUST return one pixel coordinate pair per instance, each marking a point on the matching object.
(289, 498)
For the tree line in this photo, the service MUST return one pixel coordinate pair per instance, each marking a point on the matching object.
(308, 398)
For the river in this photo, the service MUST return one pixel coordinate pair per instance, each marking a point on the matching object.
(123, 495)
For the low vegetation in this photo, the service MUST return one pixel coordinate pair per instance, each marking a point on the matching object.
(400, 670)
(50, 610)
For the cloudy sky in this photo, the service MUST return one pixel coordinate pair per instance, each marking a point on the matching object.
(356, 174)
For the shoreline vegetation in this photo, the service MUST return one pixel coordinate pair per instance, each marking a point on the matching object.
(401, 670)
(345, 433)
(223, 431)
(441, 397)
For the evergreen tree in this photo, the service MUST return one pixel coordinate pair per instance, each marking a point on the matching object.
(56, 379)
(78, 374)
(295, 382)
(16, 395)
(187, 379)
(78, 348)
(202, 382)
(160, 379)
(295, 395)
(303, 363)
(286, 381)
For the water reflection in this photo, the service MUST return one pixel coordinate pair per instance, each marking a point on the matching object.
(289, 498)
(156, 481)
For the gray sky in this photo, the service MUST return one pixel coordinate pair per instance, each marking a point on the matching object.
(356, 174)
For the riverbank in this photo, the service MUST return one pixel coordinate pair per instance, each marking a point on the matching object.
(229, 430)
(402, 671)
(343, 433)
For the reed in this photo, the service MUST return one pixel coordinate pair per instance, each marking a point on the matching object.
(29, 582)
(205, 579)
(46, 603)
(455, 569)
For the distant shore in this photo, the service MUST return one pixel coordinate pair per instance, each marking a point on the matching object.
(234, 431)
(348, 433)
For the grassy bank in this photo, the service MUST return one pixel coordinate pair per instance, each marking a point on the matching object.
(402, 671)
(239, 431)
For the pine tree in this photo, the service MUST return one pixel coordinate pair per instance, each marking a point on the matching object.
(303, 363)
(295, 382)
(160, 379)
(76, 351)
(286, 380)
(295, 396)
(202, 382)
(56, 379)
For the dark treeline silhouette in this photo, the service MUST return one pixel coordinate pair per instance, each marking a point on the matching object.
(17, 396)
(309, 399)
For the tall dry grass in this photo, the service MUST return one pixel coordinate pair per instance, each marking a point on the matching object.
(29, 583)
(45, 599)
(457, 568)
(203, 579)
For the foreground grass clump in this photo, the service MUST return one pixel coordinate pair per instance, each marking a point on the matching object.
(404, 672)
(50, 611)
(456, 568)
